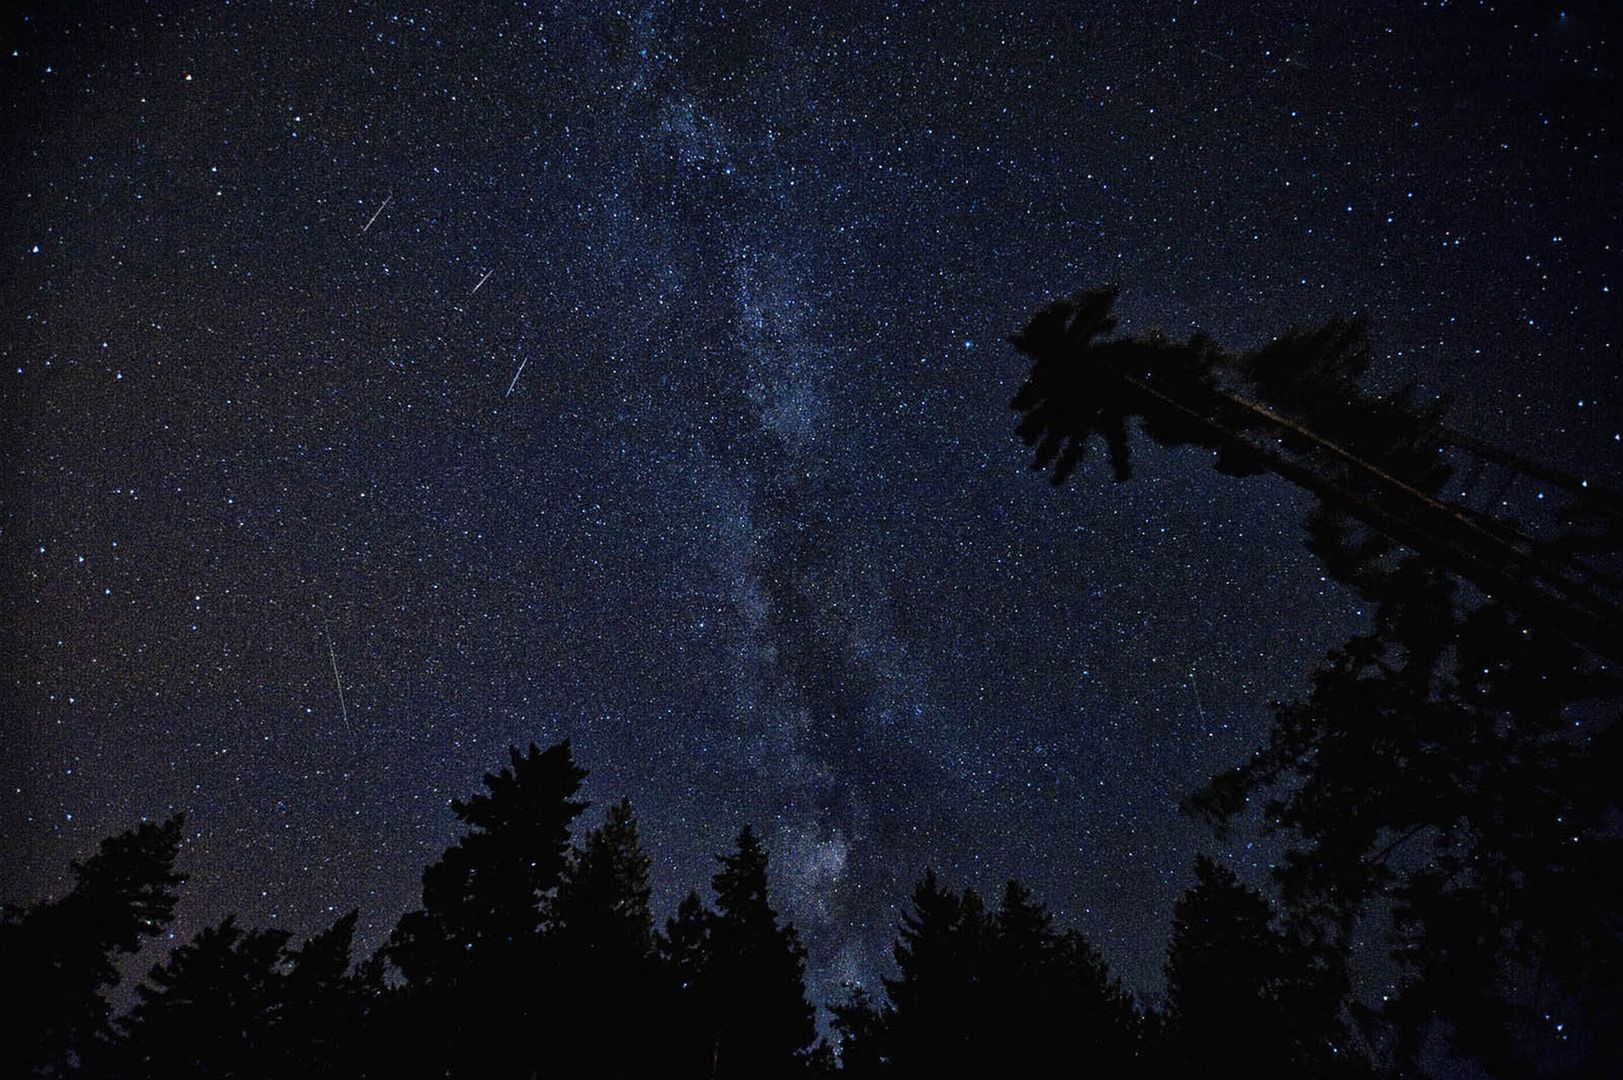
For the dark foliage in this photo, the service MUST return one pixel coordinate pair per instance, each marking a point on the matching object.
(475, 960)
(1451, 776)
(600, 937)
(567, 978)
(990, 994)
(1451, 773)
(751, 984)
(61, 956)
(1244, 997)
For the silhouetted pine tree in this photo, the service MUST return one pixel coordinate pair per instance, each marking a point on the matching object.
(863, 1026)
(602, 907)
(755, 981)
(60, 956)
(981, 994)
(1244, 998)
(1050, 997)
(1295, 407)
(685, 952)
(1087, 1015)
(1460, 765)
(324, 1012)
(601, 935)
(387, 1040)
(939, 996)
(1019, 974)
(213, 1008)
(476, 991)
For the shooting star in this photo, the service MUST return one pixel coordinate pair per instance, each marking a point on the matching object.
(1200, 707)
(482, 281)
(375, 213)
(333, 656)
(516, 374)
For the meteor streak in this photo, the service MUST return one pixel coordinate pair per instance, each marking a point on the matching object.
(378, 211)
(516, 374)
(333, 656)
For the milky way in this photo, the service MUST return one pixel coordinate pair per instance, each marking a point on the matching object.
(383, 388)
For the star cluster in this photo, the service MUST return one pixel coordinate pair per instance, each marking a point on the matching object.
(637, 376)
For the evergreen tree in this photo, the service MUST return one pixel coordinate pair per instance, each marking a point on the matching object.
(602, 907)
(939, 995)
(756, 976)
(472, 956)
(1051, 996)
(685, 960)
(863, 1026)
(1019, 973)
(1457, 767)
(982, 994)
(213, 1008)
(602, 938)
(325, 1001)
(61, 956)
(1452, 772)
(242, 1003)
(1243, 998)
(1092, 1015)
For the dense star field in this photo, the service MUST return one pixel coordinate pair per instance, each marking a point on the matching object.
(638, 376)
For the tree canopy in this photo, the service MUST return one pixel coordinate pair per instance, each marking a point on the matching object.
(1452, 771)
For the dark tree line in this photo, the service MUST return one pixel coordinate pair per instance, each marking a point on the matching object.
(533, 956)
(1450, 783)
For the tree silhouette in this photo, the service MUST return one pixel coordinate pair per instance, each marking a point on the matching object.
(61, 956)
(983, 994)
(1455, 767)
(236, 1002)
(602, 905)
(1050, 996)
(1243, 998)
(324, 1005)
(211, 1009)
(938, 995)
(1458, 765)
(756, 973)
(684, 951)
(470, 957)
(1295, 407)
(601, 935)
(1505, 923)
(863, 1026)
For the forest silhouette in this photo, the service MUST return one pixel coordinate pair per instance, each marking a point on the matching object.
(1447, 787)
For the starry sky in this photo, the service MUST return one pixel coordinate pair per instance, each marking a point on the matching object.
(637, 375)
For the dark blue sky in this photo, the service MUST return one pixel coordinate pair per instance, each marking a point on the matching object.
(751, 525)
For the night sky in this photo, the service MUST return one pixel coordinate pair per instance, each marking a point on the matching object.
(714, 473)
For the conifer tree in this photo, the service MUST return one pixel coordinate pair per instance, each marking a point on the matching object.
(602, 905)
(756, 976)
(1451, 773)
(243, 1003)
(685, 960)
(1244, 998)
(1092, 1014)
(601, 936)
(324, 1014)
(213, 1008)
(471, 957)
(1050, 996)
(864, 1027)
(991, 994)
(939, 994)
(62, 955)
